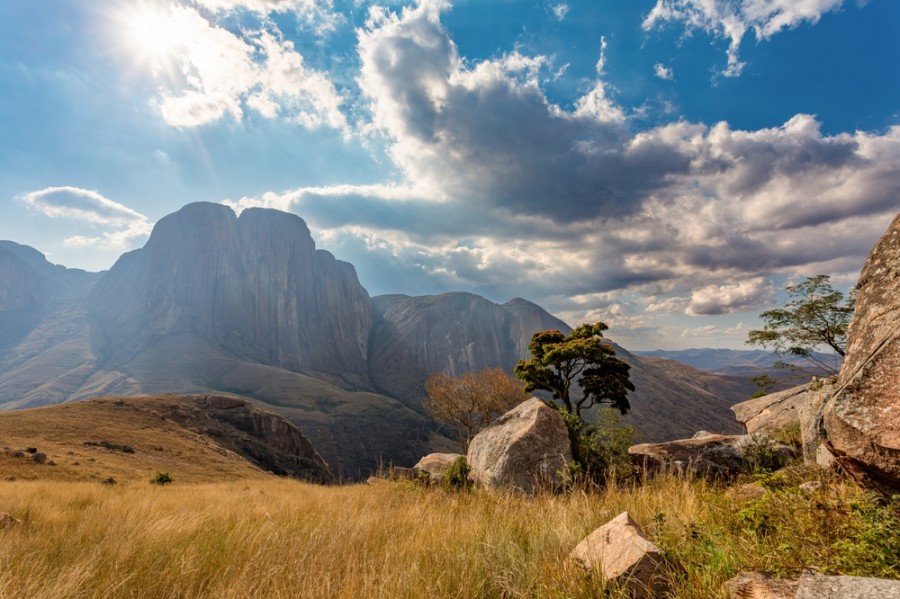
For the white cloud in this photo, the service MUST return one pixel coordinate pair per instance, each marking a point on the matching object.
(318, 13)
(89, 207)
(732, 19)
(663, 72)
(223, 73)
(733, 297)
(560, 10)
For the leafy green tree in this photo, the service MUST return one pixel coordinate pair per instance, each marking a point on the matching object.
(469, 402)
(816, 316)
(580, 370)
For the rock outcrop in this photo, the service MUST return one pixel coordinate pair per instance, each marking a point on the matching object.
(453, 333)
(710, 455)
(757, 585)
(436, 464)
(524, 449)
(254, 285)
(264, 438)
(622, 553)
(861, 421)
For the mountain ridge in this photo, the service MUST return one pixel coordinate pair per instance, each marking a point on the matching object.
(247, 305)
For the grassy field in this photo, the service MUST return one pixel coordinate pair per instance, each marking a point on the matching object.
(272, 537)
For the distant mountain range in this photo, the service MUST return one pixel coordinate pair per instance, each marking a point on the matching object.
(745, 363)
(216, 303)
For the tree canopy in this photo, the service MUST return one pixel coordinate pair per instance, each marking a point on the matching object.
(469, 402)
(816, 316)
(584, 358)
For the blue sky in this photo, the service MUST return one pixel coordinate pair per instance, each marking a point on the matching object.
(666, 166)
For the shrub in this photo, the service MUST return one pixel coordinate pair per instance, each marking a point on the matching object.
(457, 475)
(601, 448)
(760, 455)
(161, 478)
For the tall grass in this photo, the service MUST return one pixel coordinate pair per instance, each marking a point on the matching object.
(280, 538)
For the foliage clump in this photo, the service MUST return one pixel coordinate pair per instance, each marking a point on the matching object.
(161, 478)
(110, 446)
(471, 401)
(816, 315)
(456, 478)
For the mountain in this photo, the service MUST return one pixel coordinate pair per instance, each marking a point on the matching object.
(248, 306)
(746, 363)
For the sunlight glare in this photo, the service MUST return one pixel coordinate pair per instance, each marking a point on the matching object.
(154, 33)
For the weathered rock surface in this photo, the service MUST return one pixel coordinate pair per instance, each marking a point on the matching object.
(621, 551)
(773, 412)
(254, 285)
(524, 449)
(436, 464)
(453, 333)
(265, 438)
(861, 421)
(707, 454)
(756, 585)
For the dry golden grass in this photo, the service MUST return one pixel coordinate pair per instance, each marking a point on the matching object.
(282, 538)
(160, 444)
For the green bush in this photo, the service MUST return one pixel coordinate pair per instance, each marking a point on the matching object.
(161, 478)
(456, 477)
(760, 455)
(600, 450)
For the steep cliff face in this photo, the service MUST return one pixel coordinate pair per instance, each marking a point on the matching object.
(254, 285)
(453, 333)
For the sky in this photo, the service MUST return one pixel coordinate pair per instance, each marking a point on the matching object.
(665, 166)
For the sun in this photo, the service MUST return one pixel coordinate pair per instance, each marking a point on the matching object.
(153, 33)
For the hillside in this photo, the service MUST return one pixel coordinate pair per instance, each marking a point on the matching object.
(192, 438)
(248, 306)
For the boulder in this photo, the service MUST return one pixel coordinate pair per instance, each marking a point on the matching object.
(524, 449)
(756, 585)
(799, 406)
(436, 464)
(773, 412)
(621, 552)
(861, 420)
(847, 587)
(709, 455)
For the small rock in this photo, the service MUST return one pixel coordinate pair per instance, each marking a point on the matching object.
(40, 458)
(808, 488)
(7, 521)
(747, 492)
(621, 552)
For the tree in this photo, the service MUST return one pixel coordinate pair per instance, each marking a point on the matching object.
(580, 370)
(470, 402)
(817, 315)
(583, 358)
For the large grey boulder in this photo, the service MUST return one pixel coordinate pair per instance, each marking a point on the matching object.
(706, 454)
(621, 552)
(524, 449)
(861, 420)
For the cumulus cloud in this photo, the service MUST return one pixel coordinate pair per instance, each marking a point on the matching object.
(735, 297)
(663, 72)
(86, 206)
(732, 19)
(504, 193)
(221, 73)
